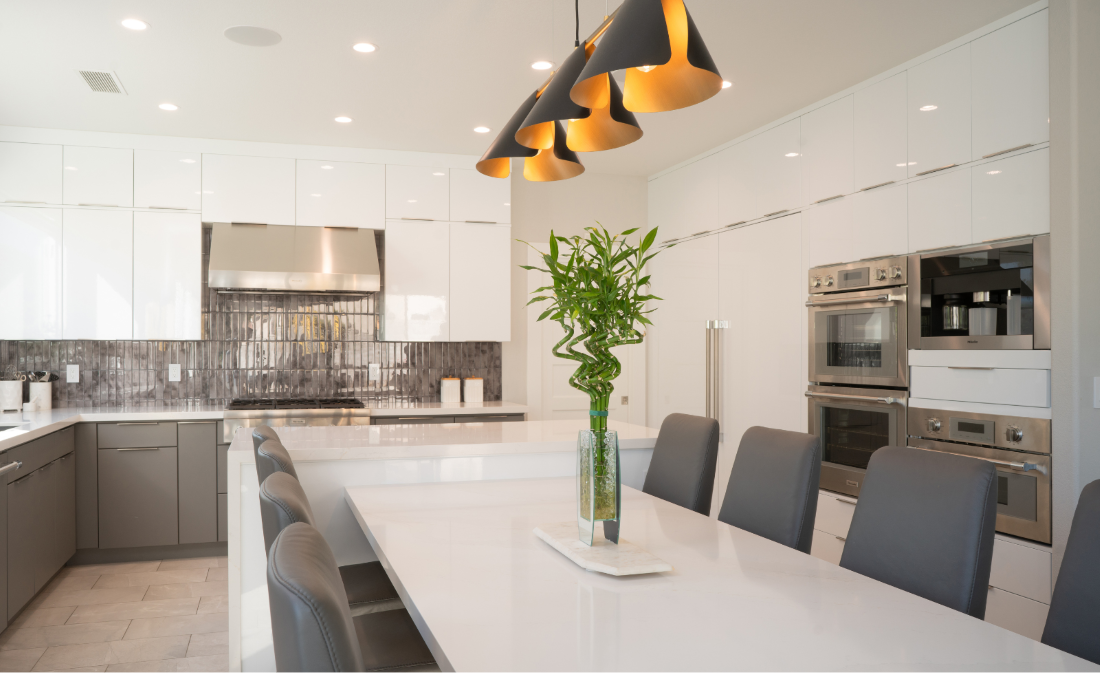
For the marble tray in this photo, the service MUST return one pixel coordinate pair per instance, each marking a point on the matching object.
(623, 559)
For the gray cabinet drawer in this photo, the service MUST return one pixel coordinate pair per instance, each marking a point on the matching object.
(223, 518)
(412, 420)
(491, 418)
(37, 453)
(223, 468)
(137, 434)
(138, 497)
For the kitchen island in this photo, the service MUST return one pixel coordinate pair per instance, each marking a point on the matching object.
(328, 460)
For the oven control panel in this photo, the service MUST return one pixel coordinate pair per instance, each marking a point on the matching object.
(1005, 432)
(882, 272)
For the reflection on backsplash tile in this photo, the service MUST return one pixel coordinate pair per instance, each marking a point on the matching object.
(261, 345)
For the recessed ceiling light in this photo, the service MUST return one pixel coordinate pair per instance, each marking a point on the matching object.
(927, 108)
(255, 36)
(727, 84)
(187, 160)
(316, 195)
(438, 174)
(993, 172)
(542, 65)
(412, 200)
(482, 130)
(364, 48)
(791, 155)
(168, 106)
(71, 168)
(343, 120)
(135, 24)
(326, 167)
(507, 204)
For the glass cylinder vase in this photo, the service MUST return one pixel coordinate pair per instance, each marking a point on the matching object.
(599, 484)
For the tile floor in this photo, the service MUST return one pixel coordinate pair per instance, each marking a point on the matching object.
(167, 615)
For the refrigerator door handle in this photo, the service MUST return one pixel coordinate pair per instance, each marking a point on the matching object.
(714, 368)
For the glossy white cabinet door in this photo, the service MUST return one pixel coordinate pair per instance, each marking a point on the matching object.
(481, 268)
(30, 283)
(243, 188)
(417, 193)
(478, 198)
(831, 233)
(167, 276)
(417, 281)
(30, 173)
(777, 163)
(1016, 613)
(880, 222)
(1012, 196)
(687, 201)
(168, 180)
(827, 547)
(1011, 93)
(827, 150)
(939, 211)
(341, 194)
(99, 176)
(940, 136)
(880, 132)
(98, 274)
(736, 185)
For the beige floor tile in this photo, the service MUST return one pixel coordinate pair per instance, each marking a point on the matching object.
(223, 562)
(153, 666)
(129, 580)
(20, 660)
(147, 649)
(51, 616)
(217, 574)
(177, 590)
(73, 656)
(133, 610)
(68, 598)
(178, 625)
(207, 663)
(50, 636)
(212, 605)
(206, 644)
(99, 569)
(200, 563)
(92, 669)
(71, 583)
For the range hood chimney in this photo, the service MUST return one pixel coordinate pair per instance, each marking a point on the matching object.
(289, 258)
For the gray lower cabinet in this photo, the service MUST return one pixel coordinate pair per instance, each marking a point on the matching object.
(138, 496)
(223, 518)
(23, 514)
(3, 554)
(436, 420)
(198, 481)
(87, 487)
(137, 434)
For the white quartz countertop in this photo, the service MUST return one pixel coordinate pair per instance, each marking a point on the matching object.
(349, 442)
(489, 595)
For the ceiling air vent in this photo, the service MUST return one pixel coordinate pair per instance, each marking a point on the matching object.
(102, 82)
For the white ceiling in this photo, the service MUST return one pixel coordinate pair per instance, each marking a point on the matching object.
(442, 67)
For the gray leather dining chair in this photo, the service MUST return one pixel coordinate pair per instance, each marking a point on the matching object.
(261, 434)
(284, 502)
(1073, 622)
(272, 457)
(311, 626)
(684, 460)
(924, 523)
(772, 490)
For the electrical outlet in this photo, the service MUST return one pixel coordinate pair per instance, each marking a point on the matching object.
(626, 401)
(374, 372)
(72, 373)
(173, 372)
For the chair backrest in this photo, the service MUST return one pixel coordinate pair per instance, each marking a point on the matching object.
(772, 490)
(1073, 622)
(684, 459)
(924, 523)
(261, 434)
(311, 623)
(282, 502)
(272, 457)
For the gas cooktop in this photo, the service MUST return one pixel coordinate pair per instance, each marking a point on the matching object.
(290, 404)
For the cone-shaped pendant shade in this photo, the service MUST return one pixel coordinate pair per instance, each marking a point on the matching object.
(609, 126)
(555, 163)
(537, 130)
(660, 37)
(496, 161)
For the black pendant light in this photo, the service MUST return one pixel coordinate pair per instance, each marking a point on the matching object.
(537, 130)
(554, 163)
(496, 161)
(609, 126)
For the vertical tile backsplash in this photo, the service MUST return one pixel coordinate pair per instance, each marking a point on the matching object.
(261, 345)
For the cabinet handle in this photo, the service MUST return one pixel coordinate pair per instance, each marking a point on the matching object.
(16, 200)
(253, 224)
(968, 368)
(414, 417)
(195, 422)
(99, 205)
(137, 449)
(937, 169)
(845, 501)
(482, 222)
(840, 538)
(144, 422)
(419, 219)
(830, 198)
(1008, 150)
(13, 466)
(735, 224)
(778, 212)
(875, 186)
(165, 207)
(700, 233)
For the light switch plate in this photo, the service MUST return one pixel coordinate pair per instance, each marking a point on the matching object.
(72, 373)
(374, 372)
(173, 372)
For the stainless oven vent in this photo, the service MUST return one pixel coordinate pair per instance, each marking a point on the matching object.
(102, 82)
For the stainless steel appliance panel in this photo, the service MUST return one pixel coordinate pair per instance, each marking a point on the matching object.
(859, 338)
(1005, 432)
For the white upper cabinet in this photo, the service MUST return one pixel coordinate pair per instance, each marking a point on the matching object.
(30, 173)
(686, 201)
(417, 193)
(478, 198)
(1012, 196)
(167, 276)
(880, 224)
(168, 180)
(736, 193)
(242, 188)
(30, 283)
(939, 211)
(480, 269)
(777, 164)
(880, 132)
(939, 111)
(831, 233)
(341, 194)
(827, 151)
(99, 176)
(417, 281)
(98, 274)
(1011, 94)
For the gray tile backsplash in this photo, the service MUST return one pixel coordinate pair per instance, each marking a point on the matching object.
(260, 346)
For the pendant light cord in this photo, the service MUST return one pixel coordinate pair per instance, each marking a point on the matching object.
(577, 11)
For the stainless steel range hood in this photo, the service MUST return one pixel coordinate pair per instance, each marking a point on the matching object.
(289, 258)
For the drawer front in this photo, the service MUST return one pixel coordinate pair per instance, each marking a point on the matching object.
(223, 518)
(138, 497)
(827, 547)
(412, 420)
(1008, 386)
(223, 468)
(37, 453)
(1015, 613)
(137, 434)
(491, 418)
(834, 513)
(1022, 570)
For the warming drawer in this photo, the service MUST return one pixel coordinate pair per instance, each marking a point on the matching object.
(1006, 386)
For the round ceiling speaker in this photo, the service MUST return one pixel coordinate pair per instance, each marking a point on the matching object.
(255, 36)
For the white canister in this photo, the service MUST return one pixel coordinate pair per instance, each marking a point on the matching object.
(473, 390)
(42, 395)
(450, 390)
(11, 395)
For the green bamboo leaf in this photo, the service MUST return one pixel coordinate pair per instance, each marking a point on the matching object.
(648, 240)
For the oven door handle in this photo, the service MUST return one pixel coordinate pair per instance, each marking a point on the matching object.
(1020, 466)
(853, 397)
(883, 298)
